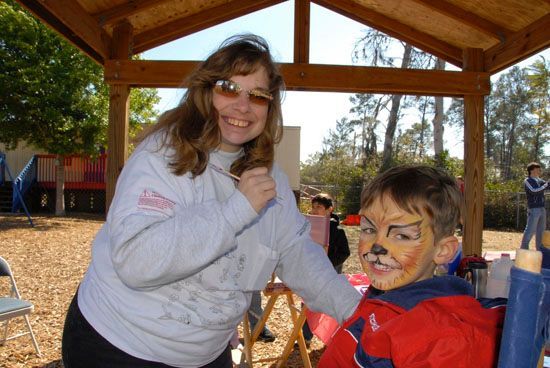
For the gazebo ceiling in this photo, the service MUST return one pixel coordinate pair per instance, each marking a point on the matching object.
(507, 31)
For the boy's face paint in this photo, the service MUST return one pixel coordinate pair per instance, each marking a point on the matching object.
(396, 248)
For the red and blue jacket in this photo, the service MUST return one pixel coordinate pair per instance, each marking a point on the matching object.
(430, 323)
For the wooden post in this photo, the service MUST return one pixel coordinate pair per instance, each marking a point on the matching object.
(117, 139)
(474, 163)
(59, 185)
(301, 31)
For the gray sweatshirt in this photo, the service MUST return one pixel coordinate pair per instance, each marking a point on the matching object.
(174, 266)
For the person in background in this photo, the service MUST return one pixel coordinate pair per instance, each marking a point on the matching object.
(200, 219)
(255, 313)
(338, 248)
(536, 213)
(408, 317)
(460, 183)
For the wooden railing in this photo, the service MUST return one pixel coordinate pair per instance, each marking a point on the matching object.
(21, 185)
(81, 172)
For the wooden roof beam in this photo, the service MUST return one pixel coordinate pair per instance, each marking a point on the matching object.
(395, 29)
(468, 18)
(71, 20)
(197, 22)
(123, 11)
(362, 79)
(314, 77)
(301, 30)
(530, 40)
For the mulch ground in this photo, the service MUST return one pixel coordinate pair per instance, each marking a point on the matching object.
(49, 260)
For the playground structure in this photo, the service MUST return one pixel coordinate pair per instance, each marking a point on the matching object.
(17, 185)
(84, 183)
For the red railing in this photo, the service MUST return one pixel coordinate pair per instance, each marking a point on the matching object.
(80, 172)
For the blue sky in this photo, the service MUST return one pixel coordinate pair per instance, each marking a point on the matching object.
(332, 38)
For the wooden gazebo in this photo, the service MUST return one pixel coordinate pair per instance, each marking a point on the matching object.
(481, 37)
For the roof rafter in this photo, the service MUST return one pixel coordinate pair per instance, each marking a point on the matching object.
(122, 11)
(522, 44)
(396, 29)
(468, 18)
(197, 22)
(314, 77)
(71, 20)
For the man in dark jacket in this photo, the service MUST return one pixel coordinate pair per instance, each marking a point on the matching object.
(536, 213)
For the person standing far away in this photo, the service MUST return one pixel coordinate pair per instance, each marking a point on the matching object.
(460, 183)
(536, 213)
(200, 219)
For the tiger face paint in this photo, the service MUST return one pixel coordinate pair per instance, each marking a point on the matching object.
(396, 247)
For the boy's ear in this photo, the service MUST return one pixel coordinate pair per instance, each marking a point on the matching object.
(445, 250)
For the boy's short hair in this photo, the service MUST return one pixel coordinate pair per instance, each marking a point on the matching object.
(322, 198)
(420, 188)
(531, 166)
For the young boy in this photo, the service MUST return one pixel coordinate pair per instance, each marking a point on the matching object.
(536, 213)
(338, 249)
(408, 318)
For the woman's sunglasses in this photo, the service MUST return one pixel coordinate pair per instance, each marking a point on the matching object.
(228, 88)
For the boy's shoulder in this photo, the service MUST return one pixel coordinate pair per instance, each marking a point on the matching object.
(437, 332)
(408, 296)
(441, 295)
(377, 307)
(369, 316)
(454, 322)
(387, 320)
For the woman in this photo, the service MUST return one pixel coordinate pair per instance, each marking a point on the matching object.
(186, 243)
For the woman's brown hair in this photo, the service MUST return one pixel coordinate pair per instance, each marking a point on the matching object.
(191, 129)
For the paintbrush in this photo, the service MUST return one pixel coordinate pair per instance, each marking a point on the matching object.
(227, 173)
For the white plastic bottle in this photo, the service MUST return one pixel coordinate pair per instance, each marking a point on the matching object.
(498, 284)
